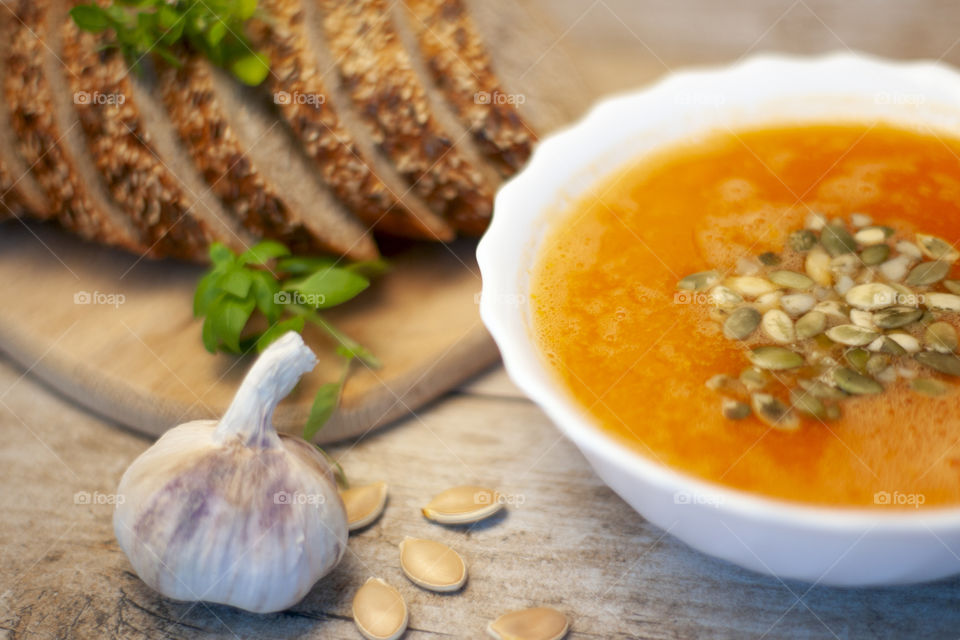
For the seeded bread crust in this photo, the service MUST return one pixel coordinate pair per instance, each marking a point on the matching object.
(199, 114)
(461, 67)
(301, 96)
(29, 96)
(121, 147)
(375, 70)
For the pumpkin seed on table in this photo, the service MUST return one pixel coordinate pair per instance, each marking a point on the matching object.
(937, 248)
(896, 317)
(699, 281)
(775, 358)
(942, 301)
(432, 565)
(810, 325)
(463, 505)
(379, 611)
(927, 273)
(874, 255)
(929, 386)
(790, 279)
(734, 409)
(778, 326)
(741, 323)
(941, 337)
(364, 504)
(773, 412)
(837, 240)
(855, 383)
(947, 363)
(801, 241)
(851, 335)
(537, 623)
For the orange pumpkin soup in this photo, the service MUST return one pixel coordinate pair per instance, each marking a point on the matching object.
(639, 354)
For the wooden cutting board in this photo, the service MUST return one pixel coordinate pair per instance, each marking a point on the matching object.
(117, 335)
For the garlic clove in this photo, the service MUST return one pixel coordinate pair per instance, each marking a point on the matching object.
(379, 611)
(364, 504)
(432, 565)
(537, 623)
(229, 511)
(463, 505)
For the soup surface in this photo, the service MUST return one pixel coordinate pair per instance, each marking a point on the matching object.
(637, 356)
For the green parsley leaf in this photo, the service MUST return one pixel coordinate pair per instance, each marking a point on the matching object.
(329, 287)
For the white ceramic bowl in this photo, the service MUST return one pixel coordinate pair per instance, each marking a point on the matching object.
(839, 546)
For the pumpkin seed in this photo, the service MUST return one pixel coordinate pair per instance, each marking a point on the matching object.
(747, 267)
(833, 308)
(768, 301)
(906, 297)
(927, 273)
(797, 303)
(857, 358)
(364, 504)
(810, 325)
(769, 258)
(815, 221)
(699, 281)
(773, 412)
(896, 317)
(722, 383)
(887, 376)
(874, 295)
(947, 363)
(941, 337)
(753, 379)
(725, 297)
(802, 240)
(463, 505)
(929, 386)
(807, 403)
(874, 255)
(844, 283)
(837, 240)
(862, 318)
(860, 219)
(870, 236)
(847, 263)
(790, 279)
(431, 565)
(942, 301)
(832, 412)
(876, 364)
(734, 409)
(821, 389)
(778, 326)
(775, 358)
(852, 382)
(953, 286)
(851, 335)
(895, 269)
(906, 342)
(909, 249)
(750, 286)
(379, 611)
(817, 266)
(937, 248)
(741, 323)
(538, 623)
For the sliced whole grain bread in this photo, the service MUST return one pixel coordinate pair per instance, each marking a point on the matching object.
(48, 134)
(254, 165)
(375, 71)
(363, 182)
(173, 217)
(459, 63)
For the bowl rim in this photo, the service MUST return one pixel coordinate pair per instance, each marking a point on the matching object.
(542, 385)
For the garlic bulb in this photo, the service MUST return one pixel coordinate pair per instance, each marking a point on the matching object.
(230, 511)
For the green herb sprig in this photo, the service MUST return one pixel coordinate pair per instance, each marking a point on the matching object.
(215, 28)
(288, 292)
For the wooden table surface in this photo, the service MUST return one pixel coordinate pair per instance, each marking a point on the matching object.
(566, 540)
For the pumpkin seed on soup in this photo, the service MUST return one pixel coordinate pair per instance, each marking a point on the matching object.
(791, 279)
(837, 240)
(773, 412)
(806, 402)
(699, 281)
(937, 248)
(927, 273)
(753, 379)
(941, 337)
(855, 383)
(929, 386)
(734, 409)
(775, 358)
(946, 363)
(741, 323)
(872, 256)
(857, 358)
(896, 317)
(802, 240)
(851, 335)
(769, 258)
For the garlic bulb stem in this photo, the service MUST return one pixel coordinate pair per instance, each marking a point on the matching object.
(270, 379)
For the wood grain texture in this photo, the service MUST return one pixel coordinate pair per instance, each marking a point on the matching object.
(118, 336)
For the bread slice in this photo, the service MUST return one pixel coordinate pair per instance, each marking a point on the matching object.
(364, 183)
(48, 135)
(249, 159)
(459, 63)
(375, 71)
(173, 217)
